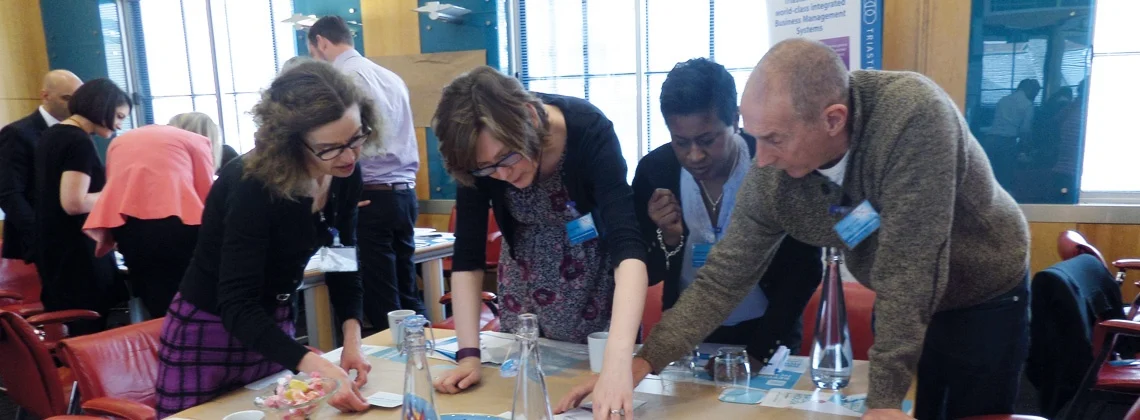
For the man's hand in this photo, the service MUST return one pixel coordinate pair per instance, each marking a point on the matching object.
(886, 414)
(665, 212)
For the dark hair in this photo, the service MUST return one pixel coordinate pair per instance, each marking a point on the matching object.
(486, 99)
(700, 85)
(1026, 84)
(298, 101)
(97, 101)
(332, 28)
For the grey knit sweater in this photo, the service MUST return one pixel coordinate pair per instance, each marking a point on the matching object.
(950, 236)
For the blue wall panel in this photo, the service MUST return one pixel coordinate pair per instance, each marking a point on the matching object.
(479, 31)
(442, 185)
(326, 8)
(74, 37)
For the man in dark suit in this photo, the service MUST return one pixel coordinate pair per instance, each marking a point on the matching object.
(17, 145)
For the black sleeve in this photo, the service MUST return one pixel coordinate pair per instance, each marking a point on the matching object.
(241, 276)
(613, 195)
(791, 279)
(15, 167)
(78, 153)
(643, 188)
(346, 290)
(471, 209)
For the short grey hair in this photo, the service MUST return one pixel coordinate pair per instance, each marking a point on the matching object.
(812, 73)
(197, 122)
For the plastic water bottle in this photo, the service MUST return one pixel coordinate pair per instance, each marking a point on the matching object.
(532, 402)
(831, 357)
(419, 395)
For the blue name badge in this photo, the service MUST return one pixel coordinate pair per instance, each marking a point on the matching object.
(701, 254)
(581, 230)
(860, 223)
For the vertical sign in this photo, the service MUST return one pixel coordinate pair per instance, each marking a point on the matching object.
(853, 28)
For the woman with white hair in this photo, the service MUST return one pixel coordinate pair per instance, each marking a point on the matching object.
(158, 177)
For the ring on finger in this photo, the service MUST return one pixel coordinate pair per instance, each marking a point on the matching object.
(619, 412)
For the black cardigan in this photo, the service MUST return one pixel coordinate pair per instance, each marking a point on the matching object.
(594, 173)
(253, 246)
(789, 283)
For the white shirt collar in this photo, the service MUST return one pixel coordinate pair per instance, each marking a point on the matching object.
(837, 172)
(47, 117)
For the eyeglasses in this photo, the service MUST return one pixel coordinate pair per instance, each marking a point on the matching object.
(334, 152)
(508, 160)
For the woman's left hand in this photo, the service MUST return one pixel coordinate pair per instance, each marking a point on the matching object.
(353, 359)
(613, 393)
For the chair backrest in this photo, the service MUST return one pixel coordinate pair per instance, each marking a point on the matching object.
(651, 315)
(20, 277)
(1071, 243)
(28, 369)
(494, 239)
(860, 302)
(120, 363)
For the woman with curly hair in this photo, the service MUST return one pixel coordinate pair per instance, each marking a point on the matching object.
(265, 217)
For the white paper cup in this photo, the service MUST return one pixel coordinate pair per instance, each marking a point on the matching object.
(394, 324)
(597, 344)
(246, 415)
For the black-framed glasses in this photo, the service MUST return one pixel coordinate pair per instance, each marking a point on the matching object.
(335, 152)
(508, 160)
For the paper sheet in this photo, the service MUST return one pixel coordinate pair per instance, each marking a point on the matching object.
(386, 399)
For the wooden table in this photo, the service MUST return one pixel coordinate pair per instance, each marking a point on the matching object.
(319, 321)
(665, 399)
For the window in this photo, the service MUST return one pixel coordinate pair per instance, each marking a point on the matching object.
(616, 56)
(1109, 133)
(115, 50)
(212, 61)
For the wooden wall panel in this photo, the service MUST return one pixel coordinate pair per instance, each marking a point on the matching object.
(1043, 244)
(931, 37)
(23, 58)
(14, 109)
(423, 186)
(1116, 242)
(436, 221)
(391, 27)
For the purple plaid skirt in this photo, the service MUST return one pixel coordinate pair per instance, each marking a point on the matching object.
(200, 361)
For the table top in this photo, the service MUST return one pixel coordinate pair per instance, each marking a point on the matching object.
(665, 399)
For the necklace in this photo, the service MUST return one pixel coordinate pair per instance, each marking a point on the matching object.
(705, 190)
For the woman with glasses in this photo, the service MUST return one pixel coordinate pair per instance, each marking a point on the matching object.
(552, 169)
(270, 211)
(158, 177)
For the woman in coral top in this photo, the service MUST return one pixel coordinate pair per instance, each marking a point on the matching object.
(157, 180)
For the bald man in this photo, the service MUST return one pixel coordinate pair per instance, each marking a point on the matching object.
(947, 258)
(17, 142)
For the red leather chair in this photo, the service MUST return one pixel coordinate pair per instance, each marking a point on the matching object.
(860, 301)
(19, 288)
(1104, 380)
(35, 383)
(488, 317)
(654, 305)
(494, 242)
(116, 370)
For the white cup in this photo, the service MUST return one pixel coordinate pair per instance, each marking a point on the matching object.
(597, 344)
(246, 415)
(395, 319)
